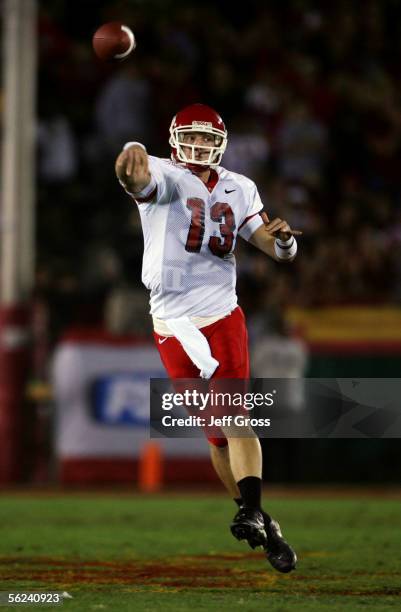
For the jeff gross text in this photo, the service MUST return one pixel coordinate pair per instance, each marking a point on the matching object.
(224, 421)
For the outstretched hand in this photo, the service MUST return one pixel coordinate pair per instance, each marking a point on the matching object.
(278, 227)
(132, 168)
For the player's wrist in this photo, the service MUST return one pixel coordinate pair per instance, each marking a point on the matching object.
(285, 243)
(140, 190)
(285, 249)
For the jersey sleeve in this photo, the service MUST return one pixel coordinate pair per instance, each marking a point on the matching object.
(252, 219)
(157, 190)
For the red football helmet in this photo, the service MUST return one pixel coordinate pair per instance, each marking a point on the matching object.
(197, 118)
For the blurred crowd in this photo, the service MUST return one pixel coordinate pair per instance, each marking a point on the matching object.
(311, 96)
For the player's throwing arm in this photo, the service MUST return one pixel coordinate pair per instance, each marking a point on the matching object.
(132, 169)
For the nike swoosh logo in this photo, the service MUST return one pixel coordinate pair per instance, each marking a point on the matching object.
(161, 341)
(229, 190)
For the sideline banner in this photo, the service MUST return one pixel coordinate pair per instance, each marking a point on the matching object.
(101, 391)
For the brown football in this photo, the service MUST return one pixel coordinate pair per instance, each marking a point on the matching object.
(113, 41)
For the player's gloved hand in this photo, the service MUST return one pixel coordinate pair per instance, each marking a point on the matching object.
(132, 169)
(278, 228)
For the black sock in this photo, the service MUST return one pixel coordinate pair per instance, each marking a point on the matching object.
(266, 517)
(251, 491)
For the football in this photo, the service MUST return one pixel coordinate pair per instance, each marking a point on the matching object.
(113, 41)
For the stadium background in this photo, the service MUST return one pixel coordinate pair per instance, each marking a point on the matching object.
(310, 93)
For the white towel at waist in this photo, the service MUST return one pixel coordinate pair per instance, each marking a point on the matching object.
(194, 344)
(160, 327)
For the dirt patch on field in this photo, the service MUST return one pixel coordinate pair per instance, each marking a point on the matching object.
(214, 571)
(219, 571)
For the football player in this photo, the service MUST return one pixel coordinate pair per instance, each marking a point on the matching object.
(192, 211)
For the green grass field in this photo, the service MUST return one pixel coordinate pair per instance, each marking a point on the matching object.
(123, 553)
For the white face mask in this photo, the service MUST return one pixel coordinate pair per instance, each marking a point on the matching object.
(188, 156)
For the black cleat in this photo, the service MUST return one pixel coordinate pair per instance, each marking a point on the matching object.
(278, 552)
(248, 524)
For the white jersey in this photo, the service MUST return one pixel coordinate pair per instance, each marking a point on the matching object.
(190, 231)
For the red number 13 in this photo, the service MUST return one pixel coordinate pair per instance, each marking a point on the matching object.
(219, 245)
